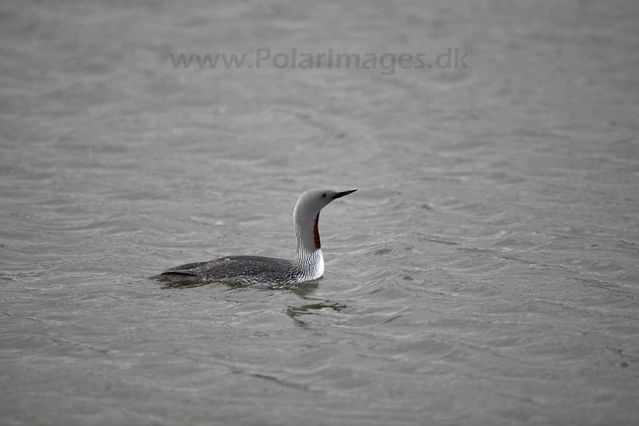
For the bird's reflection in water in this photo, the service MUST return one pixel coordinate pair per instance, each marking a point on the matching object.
(304, 291)
(296, 313)
(184, 284)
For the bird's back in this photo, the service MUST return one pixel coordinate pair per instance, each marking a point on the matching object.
(236, 270)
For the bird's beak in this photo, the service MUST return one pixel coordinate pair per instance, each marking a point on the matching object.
(341, 194)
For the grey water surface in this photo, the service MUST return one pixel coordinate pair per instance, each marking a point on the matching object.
(485, 273)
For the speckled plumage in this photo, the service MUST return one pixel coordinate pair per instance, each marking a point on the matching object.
(247, 270)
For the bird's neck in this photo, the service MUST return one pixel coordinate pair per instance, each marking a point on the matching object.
(307, 231)
(309, 252)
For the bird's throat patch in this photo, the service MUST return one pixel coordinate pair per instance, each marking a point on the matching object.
(316, 232)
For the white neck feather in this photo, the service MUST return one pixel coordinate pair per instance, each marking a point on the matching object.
(309, 255)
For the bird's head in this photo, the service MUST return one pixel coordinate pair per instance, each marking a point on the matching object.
(311, 202)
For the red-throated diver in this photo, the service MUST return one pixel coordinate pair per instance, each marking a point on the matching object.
(308, 264)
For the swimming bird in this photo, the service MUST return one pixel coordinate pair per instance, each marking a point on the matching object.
(306, 266)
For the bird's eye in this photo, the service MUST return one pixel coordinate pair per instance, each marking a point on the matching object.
(324, 195)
